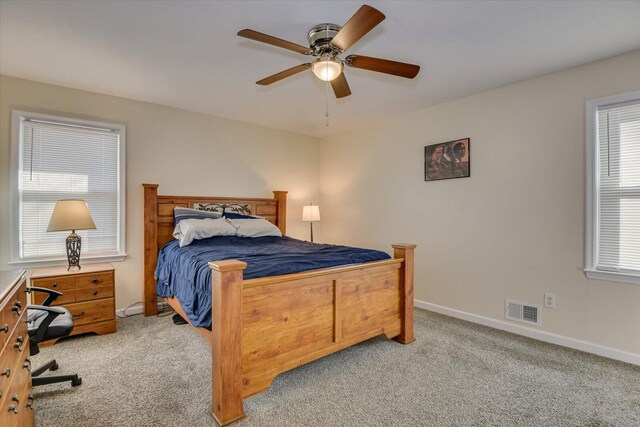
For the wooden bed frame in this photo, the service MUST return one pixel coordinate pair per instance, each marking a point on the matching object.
(263, 327)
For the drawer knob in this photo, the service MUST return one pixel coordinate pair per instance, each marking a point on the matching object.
(79, 315)
(94, 280)
(5, 328)
(7, 373)
(95, 292)
(30, 403)
(54, 285)
(18, 346)
(16, 307)
(27, 364)
(14, 409)
(20, 339)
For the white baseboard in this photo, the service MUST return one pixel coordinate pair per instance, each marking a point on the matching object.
(137, 308)
(536, 334)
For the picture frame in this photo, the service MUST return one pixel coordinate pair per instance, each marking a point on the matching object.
(447, 160)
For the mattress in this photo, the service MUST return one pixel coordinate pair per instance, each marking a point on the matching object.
(184, 272)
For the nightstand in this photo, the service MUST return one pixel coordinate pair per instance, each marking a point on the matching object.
(89, 294)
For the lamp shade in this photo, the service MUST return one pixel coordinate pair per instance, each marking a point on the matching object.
(71, 215)
(311, 213)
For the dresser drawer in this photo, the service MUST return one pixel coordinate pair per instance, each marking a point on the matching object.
(8, 363)
(93, 280)
(92, 311)
(4, 330)
(96, 292)
(12, 354)
(15, 305)
(17, 406)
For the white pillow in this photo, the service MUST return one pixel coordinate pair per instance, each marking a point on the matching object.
(192, 229)
(256, 227)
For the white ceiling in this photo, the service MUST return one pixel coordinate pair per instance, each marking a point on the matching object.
(186, 53)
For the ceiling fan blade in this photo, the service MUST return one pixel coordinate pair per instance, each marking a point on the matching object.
(386, 66)
(265, 38)
(340, 86)
(283, 74)
(363, 21)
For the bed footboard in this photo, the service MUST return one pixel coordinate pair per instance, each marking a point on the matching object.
(263, 327)
(226, 341)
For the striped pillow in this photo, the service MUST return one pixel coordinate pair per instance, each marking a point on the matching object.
(187, 213)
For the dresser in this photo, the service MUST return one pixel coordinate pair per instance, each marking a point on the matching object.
(89, 294)
(16, 399)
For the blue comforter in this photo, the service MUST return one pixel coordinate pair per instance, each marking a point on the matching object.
(185, 273)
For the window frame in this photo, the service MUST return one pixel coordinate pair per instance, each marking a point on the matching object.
(17, 118)
(593, 190)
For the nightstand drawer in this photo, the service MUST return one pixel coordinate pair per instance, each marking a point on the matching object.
(92, 311)
(60, 284)
(96, 292)
(93, 280)
(66, 297)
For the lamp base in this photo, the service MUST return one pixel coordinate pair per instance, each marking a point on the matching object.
(74, 244)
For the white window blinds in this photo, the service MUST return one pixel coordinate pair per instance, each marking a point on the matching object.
(619, 187)
(63, 161)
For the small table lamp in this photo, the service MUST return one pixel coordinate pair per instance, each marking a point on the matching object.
(71, 215)
(310, 214)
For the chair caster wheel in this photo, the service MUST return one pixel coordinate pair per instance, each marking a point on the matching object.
(76, 382)
(54, 367)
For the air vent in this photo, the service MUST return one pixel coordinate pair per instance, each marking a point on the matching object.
(522, 312)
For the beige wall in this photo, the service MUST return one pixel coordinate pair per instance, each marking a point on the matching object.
(184, 152)
(515, 228)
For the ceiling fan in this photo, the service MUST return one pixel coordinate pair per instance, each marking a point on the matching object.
(326, 42)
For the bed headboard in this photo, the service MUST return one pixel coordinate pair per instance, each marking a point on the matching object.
(158, 224)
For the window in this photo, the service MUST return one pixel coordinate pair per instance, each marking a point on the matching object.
(58, 158)
(613, 188)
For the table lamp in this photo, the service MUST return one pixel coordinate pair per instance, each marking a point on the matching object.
(310, 214)
(71, 215)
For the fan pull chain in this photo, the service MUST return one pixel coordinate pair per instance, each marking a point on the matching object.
(326, 114)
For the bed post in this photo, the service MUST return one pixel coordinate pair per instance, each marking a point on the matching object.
(281, 218)
(226, 340)
(150, 239)
(405, 250)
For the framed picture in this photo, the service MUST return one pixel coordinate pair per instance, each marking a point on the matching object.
(447, 160)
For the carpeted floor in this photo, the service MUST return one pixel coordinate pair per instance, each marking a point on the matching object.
(153, 373)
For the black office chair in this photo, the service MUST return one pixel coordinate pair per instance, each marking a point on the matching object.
(47, 323)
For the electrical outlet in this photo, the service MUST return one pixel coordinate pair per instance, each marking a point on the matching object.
(549, 300)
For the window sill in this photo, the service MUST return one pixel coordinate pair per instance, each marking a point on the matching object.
(612, 276)
(54, 262)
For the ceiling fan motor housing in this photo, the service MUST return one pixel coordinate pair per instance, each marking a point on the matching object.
(320, 38)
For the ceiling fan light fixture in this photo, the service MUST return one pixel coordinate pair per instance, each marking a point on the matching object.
(327, 69)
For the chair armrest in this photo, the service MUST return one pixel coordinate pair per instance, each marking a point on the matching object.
(53, 295)
(52, 313)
